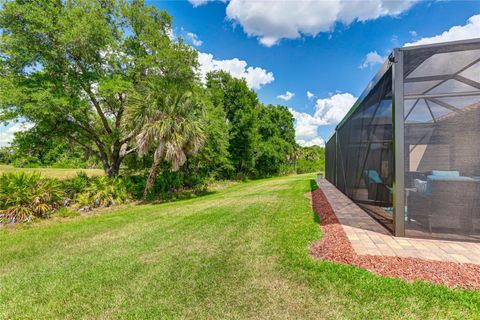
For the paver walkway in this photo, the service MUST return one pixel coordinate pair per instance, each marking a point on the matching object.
(368, 237)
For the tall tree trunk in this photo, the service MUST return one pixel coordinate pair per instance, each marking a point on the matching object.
(113, 169)
(151, 177)
(117, 158)
(111, 161)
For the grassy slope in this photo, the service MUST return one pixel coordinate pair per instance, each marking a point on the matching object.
(52, 172)
(240, 253)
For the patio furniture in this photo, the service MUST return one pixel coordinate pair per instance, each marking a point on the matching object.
(378, 191)
(448, 202)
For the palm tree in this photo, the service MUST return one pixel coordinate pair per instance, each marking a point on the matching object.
(297, 154)
(171, 124)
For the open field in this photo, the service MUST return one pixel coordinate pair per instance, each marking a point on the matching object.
(242, 252)
(52, 172)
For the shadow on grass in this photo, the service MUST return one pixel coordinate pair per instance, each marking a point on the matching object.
(179, 196)
(313, 187)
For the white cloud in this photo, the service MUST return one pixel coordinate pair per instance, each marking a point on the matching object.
(318, 141)
(332, 110)
(197, 3)
(272, 21)
(468, 31)
(255, 77)
(310, 95)
(7, 132)
(372, 59)
(194, 39)
(328, 111)
(286, 96)
(394, 39)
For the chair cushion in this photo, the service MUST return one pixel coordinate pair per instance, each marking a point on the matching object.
(445, 173)
(420, 185)
(373, 176)
(432, 178)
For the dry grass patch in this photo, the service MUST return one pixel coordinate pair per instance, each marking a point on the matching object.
(56, 173)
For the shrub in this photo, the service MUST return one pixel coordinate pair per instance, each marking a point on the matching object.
(24, 195)
(67, 163)
(103, 192)
(65, 212)
(77, 184)
(26, 162)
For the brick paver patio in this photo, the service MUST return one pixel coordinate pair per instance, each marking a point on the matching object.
(368, 237)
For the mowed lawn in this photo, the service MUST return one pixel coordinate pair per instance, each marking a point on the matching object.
(52, 172)
(240, 253)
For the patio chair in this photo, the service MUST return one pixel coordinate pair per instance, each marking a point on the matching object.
(378, 191)
(447, 203)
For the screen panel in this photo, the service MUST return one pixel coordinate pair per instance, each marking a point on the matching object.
(364, 152)
(442, 141)
(330, 160)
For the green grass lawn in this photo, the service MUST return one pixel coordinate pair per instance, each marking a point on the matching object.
(239, 253)
(53, 172)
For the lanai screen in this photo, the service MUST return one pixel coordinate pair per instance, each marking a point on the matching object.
(363, 154)
(442, 141)
(330, 150)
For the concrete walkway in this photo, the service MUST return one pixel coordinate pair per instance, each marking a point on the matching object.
(368, 237)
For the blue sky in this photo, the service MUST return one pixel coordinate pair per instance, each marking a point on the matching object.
(311, 45)
(326, 63)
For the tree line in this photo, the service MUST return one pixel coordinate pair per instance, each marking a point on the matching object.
(103, 82)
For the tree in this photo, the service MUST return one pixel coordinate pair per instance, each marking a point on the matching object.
(171, 124)
(310, 159)
(296, 154)
(213, 159)
(40, 146)
(240, 105)
(5, 155)
(275, 127)
(73, 65)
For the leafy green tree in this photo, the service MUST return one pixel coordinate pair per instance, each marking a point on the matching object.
(240, 105)
(6, 155)
(275, 126)
(171, 124)
(212, 161)
(297, 153)
(73, 65)
(43, 147)
(311, 159)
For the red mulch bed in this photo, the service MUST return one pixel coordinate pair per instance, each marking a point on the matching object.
(336, 247)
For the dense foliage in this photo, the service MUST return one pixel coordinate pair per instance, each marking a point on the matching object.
(310, 159)
(27, 195)
(72, 66)
(104, 84)
(42, 147)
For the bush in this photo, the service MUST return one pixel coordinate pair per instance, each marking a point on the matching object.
(67, 163)
(76, 185)
(5, 155)
(24, 195)
(66, 213)
(103, 192)
(27, 162)
(312, 159)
